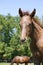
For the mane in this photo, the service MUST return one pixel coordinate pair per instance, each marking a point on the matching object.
(38, 22)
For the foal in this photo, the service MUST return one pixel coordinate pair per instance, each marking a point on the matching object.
(20, 59)
(30, 27)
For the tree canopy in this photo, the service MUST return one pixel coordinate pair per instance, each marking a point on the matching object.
(10, 44)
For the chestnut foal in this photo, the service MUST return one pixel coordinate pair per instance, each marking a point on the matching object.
(20, 59)
(31, 27)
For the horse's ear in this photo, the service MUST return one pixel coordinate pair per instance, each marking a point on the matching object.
(33, 13)
(20, 12)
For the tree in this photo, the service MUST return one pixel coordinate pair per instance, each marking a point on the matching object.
(10, 44)
(2, 47)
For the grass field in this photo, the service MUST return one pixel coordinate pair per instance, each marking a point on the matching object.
(15, 64)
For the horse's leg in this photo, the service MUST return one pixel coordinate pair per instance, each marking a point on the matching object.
(26, 63)
(36, 62)
(12, 62)
(42, 62)
(17, 63)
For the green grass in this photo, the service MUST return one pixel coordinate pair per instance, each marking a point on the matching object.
(15, 64)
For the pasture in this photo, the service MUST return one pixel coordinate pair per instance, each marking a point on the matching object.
(15, 64)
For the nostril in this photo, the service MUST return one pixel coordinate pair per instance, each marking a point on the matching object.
(22, 40)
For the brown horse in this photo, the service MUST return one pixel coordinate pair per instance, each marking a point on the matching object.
(31, 27)
(20, 59)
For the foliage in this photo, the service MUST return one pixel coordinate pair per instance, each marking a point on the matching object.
(10, 44)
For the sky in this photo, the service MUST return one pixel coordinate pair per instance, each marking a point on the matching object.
(12, 6)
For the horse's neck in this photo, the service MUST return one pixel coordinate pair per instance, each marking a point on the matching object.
(37, 30)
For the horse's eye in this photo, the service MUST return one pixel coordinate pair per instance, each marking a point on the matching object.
(29, 24)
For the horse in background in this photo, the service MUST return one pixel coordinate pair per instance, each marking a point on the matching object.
(20, 59)
(31, 27)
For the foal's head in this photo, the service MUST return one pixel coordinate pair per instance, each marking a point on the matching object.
(26, 23)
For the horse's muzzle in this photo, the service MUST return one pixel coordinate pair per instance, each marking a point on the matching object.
(22, 40)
